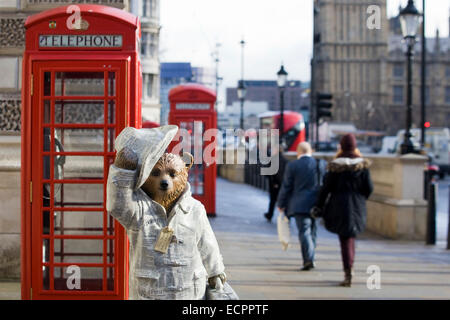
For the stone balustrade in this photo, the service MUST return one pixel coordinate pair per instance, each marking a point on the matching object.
(396, 208)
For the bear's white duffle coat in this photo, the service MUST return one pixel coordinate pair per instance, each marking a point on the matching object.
(193, 253)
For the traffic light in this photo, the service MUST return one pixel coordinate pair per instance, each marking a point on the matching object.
(323, 105)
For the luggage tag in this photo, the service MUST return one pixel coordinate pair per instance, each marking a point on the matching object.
(164, 240)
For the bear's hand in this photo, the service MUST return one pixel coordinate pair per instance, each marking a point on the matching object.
(126, 159)
(217, 282)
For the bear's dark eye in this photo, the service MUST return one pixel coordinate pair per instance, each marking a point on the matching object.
(172, 174)
(155, 173)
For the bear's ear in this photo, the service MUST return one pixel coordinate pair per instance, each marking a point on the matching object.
(188, 160)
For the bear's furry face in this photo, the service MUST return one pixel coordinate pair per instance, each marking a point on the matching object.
(167, 180)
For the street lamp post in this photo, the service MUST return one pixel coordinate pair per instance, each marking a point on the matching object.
(410, 19)
(423, 80)
(241, 91)
(281, 81)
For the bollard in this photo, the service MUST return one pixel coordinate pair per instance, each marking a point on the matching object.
(426, 182)
(448, 230)
(431, 214)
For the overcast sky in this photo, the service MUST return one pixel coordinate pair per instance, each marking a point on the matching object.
(274, 32)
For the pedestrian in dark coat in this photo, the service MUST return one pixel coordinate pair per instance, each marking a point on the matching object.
(275, 182)
(298, 195)
(342, 199)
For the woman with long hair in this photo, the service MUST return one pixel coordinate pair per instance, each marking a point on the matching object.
(342, 199)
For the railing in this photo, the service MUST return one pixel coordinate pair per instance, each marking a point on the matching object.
(253, 177)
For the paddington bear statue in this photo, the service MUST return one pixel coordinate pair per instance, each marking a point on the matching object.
(173, 253)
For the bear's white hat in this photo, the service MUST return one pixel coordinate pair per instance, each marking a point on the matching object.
(148, 144)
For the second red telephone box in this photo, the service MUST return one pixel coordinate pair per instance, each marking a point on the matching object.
(192, 108)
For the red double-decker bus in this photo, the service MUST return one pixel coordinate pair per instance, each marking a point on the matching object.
(294, 127)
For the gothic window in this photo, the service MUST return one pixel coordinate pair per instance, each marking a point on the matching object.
(153, 45)
(447, 95)
(427, 94)
(148, 45)
(148, 85)
(398, 71)
(144, 44)
(398, 94)
(149, 8)
(154, 9)
(145, 8)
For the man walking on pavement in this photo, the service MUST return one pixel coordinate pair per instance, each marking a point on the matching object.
(298, 195)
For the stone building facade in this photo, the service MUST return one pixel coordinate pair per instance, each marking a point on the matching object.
(437, 85)
(148, 11)
(13, 14)
(365, 68)
(347, 59)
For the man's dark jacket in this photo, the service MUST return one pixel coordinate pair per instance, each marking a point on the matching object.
(342, 198)
(300, 186)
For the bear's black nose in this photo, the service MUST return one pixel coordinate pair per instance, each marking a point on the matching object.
(164, 184)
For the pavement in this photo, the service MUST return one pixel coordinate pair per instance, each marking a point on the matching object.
(442, 210)
(258, 268)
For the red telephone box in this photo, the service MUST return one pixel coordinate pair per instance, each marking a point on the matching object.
(192, 107)
(81, 87)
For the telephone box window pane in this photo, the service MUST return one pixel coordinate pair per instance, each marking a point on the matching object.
(79, 112)
(112, 83)
(111, 138)
(78, 223)
(47, 84)
(111, 111)
(46, 167)
(78, 251)
(46, 222)
(85, 140)
(77, 195)
(110, 226)
(46, 250)
(110, 279)
(196, 179)
(91, 279)
(79, 84)
(78, 167)
(46, 195)
(47, 118)
(45, 278)
(110, 250)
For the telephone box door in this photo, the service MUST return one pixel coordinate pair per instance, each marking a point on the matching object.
(201, 175)
(79, 107)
